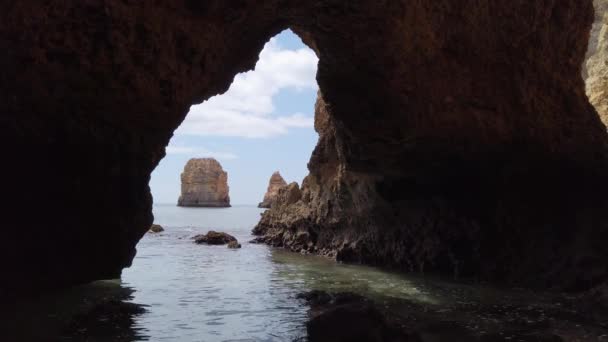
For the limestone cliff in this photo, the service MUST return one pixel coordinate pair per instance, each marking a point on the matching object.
(274, 184)
(204, 184)
(597, 64)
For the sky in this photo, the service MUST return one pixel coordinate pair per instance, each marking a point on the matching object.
(262, 124)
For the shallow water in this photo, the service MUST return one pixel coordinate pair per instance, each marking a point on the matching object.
(179, 291)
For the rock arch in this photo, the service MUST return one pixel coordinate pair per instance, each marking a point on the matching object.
(461, 129)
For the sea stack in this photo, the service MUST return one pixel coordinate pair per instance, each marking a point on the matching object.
(274, 184)
(204, 184)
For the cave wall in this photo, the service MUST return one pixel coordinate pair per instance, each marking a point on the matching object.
(595, 70)
(91, 92)
(474, 153)
(454, 135)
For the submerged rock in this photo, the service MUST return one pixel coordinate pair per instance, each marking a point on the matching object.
(204, 184)
(234, 244)
(350, 317)
(274, 184)
(345, 317)
(214, 238)
(156, 228)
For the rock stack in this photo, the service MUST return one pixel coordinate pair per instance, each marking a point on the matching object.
(274, 184)
(204, 184)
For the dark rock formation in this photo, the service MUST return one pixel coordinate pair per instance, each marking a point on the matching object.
(204, 184)
(214, 238)
(274, 184)
(349, 317)
(234, 244)
(156, 228)
(354, 212)
(456, 136)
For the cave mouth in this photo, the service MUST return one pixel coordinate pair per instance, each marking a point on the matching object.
(263, 123)
(455, 139)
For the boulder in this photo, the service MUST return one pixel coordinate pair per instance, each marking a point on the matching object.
(234, 244)
(274, 184)
(348, 317)
(156, 228)
(204, 184)
(214, 238)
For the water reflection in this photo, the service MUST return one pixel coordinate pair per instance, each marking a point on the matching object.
(100, 311)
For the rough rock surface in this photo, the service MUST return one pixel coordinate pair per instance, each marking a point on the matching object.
(351, 317)
(347, 317)
(214, 238)
(274, 184)
(457, 136)
(204, 184)
(234, 244)
(597, 63)
(601, 8)
(156, 228)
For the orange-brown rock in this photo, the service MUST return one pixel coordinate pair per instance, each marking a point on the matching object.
(597, 63)
(204, 184)
(457, 139)
(274, 184)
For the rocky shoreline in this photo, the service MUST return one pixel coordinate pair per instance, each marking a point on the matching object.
(349, 317)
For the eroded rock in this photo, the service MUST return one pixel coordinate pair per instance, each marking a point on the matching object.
(214, 238)
(274, 184)
(347, 317)
(204, 184)
(234, 244)
(156, 228)
(597, 64)
(350, 317)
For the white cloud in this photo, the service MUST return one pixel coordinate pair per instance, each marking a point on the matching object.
(199, 152)
(247, 108)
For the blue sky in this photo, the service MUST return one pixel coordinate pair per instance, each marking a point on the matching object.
(262, 124)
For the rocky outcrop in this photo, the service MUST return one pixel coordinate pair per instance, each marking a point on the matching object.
(156, 228)
(274, 184)
(348, 317)
(597, 65)
(344, 316)
(214, 238)
(204, 184)
(354, 213)
(234, 244)
(458, 137)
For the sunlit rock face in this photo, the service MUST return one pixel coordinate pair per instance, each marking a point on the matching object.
(274, 184)
(456, 136)
(597, 62)
(204, 184)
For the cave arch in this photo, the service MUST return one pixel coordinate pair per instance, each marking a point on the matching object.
(460, 121)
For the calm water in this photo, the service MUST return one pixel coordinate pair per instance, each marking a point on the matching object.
(212, 293)
(179, 291)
